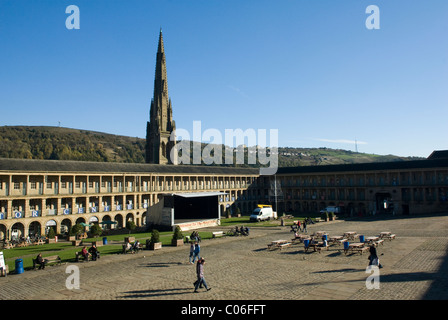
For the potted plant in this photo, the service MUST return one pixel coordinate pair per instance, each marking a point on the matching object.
(326, 215)
(51, 237)
(130, 225)
(96, 231)
(155, 243)
(238, 212)
(178, 237)
(331, 215)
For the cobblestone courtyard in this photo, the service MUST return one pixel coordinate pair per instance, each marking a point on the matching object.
(242, 268)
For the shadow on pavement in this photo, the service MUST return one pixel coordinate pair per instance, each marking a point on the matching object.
(155, 293)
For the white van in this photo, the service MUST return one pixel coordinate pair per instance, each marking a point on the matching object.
(329, 209)
(263, 212)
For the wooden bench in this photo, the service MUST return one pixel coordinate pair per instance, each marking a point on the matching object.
(217, 234)
(52, 259)
(38, 242)
(278, 246)
(320, 248)
(390, 236)
(132, 249)
(284, 245)
(8, 246)
(381, 241)
(48, 260)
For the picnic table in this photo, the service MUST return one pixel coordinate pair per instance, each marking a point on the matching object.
(337, 239)
(301, 237)
(350, 235)
(387, 235)
(356, 247)
(317, 246)
(371, 240)
(279, 244)
(320, 233)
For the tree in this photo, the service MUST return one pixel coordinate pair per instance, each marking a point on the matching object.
(155, 236)
(130, 225)
(51, 233)
(96, 230)
(77, 229)
(177, 235)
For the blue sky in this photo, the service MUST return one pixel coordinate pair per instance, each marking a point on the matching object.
(310, 69)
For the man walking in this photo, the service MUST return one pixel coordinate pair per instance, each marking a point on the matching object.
(200, 274)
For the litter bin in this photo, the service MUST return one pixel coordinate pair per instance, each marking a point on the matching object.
(325, 237)
(306, 242)
(104, 241)
(19, 266)
(346, 245)
(361, 238)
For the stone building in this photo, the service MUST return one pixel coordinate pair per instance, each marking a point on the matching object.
(38, 194)
(404, 187)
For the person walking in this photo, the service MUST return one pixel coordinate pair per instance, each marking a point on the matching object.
(196, 251)
(191, 257)
(304, 226)
(373, 258)
(200, 275)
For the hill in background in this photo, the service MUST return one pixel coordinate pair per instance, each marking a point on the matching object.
(56, 143)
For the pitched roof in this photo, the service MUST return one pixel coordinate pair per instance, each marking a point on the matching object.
(439, 154)
(375, 166)
(26, 165)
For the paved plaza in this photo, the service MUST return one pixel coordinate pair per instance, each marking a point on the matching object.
(242, 268)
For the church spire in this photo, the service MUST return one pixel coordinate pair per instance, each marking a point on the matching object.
(161, 123)
(160, 48)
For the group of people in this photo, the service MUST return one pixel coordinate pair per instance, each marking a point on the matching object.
(195, 236)
(299, 226)
(244, 231)
(91, 254)
(195, 250)
(129, 247)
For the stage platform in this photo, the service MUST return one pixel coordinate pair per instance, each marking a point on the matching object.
(192, 224)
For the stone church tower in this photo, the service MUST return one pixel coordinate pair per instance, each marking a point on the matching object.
(161, 123)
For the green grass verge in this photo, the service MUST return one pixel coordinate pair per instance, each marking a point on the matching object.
(66, 250)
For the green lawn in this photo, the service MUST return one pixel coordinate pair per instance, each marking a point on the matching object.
(67, 251)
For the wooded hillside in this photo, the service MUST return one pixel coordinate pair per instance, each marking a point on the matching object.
(26, 142)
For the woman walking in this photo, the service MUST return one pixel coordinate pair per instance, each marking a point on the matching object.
(200, 275)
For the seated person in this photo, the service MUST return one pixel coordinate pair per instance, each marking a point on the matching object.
(85, 254)
(136, 245)
(93, 250)
(40, 261)
(127, 247)
(324, 242)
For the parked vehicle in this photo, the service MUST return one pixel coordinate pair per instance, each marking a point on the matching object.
(263, 212)
(333, 209)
